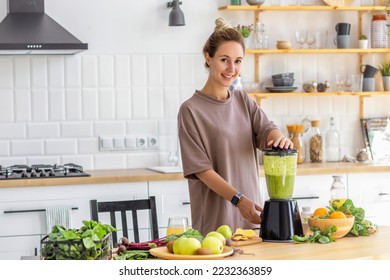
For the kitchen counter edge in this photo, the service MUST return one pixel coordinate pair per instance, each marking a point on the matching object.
(145, 175)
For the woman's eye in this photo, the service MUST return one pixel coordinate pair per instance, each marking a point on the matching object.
(238, 61)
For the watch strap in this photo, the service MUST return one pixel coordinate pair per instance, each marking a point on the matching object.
(236, 199)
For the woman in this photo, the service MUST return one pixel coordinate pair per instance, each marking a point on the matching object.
(220, 132)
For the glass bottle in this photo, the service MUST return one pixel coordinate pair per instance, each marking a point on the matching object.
(315, 142)
(297, 140)
(338, 192)
(305, 214)
(332, 143)
(265, 37)
(258, 36)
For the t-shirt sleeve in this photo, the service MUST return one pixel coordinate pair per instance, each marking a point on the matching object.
(193, 154)
(261, 124)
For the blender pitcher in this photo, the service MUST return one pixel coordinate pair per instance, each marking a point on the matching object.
(280, 218)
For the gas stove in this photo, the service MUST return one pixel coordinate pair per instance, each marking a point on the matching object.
(40, 171)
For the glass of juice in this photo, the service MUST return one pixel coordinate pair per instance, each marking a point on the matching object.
(177, 225)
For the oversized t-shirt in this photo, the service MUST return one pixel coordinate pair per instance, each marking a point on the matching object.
(222, 135)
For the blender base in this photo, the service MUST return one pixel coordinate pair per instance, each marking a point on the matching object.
(280, 220)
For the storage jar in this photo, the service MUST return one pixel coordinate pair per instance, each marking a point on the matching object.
(379, 31)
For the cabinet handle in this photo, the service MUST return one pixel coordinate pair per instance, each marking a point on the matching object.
(383, 193)
(185, 203)
(307, 197)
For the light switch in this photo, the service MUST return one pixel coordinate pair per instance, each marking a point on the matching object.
(106, 143)
(119, 142)
(130, 142)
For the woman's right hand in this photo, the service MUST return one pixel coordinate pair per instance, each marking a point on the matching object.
(249, 210)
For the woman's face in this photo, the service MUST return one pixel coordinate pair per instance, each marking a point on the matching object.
(225, 66)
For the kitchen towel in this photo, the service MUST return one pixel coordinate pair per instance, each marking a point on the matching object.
(58, 216)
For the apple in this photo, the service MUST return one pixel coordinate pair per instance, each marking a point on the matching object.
(226, 231)
(189, 246)
(177, 245)
(214, 244)
(218, 235)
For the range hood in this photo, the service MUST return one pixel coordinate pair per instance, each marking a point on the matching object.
(28, 30)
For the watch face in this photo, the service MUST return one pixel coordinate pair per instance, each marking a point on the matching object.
(235, 200)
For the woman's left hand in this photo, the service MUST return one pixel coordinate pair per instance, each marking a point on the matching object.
(281, 142)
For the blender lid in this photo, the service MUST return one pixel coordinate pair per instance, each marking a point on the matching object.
(276, 151)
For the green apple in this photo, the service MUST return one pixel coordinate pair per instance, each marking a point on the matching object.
(217, 235)
(177, 245)
(214, 244)
(189, 246)
(226, 231)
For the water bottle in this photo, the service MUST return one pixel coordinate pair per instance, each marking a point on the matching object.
(338, 192)
(332, 143)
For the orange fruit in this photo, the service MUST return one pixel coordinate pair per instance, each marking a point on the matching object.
(337, 215)
(320, 212)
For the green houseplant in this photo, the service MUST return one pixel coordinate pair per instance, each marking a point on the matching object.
(384, 68)
(245, 30)
(363, 41)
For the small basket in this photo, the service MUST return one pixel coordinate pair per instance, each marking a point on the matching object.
(75, 250)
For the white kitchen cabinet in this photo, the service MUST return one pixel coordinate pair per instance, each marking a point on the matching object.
(30, 227)
(371, 191)
(172, 200)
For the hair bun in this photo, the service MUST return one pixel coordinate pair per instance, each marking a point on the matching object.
(220, 24)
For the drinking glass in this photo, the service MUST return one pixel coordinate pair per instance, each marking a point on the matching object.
(301, 37)
(177, 225)
(340, 82)
(310, 39)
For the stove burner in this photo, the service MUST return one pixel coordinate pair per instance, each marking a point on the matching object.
(41, 171)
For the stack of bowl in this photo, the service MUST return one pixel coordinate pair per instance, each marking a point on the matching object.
(283, 80)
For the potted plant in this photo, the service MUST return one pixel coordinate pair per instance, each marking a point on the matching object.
(385, 71)
(245, 31)
(363, 41)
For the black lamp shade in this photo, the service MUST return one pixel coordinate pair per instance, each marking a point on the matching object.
(176, 16)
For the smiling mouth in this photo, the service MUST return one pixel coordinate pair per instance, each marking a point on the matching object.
(228, 76)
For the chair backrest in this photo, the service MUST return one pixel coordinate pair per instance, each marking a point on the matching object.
(126, 205)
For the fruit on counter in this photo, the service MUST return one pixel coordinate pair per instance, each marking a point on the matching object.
(189, 246)
(177, 245)
(320, 213)
(203, 251)
(243, 234)
(337, 215)
(218, 235)
(226, 231)
(214, 244)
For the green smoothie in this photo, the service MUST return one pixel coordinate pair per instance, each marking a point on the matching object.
(280, 174)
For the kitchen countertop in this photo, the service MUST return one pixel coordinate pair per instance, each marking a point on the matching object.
(145, 175)
(373, 247)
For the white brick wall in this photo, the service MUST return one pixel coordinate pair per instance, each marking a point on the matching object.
(54, 108)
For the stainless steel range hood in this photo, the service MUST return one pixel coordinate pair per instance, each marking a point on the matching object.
(28, 30)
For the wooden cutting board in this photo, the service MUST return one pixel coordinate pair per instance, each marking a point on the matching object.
(251, 241)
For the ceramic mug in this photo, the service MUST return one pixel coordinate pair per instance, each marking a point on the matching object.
(368, 71)
(343, 28)
(368, 84)
(342, 41)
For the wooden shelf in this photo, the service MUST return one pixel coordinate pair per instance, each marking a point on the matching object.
(315, 51)
(306, 94)
(301, 8)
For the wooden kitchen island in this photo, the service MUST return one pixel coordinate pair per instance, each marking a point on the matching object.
(373, 247)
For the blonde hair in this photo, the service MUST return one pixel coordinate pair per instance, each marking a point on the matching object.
(223, 32)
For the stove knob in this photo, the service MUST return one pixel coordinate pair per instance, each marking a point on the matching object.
(24, 174)
(33, 173)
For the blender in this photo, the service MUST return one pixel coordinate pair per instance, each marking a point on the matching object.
(280, 219)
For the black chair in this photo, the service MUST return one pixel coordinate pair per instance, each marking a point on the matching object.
(122, 207)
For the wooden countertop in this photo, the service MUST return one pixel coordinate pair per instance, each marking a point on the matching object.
(373, 247)
(144, 175)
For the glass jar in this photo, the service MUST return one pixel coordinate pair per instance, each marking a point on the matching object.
(338, 192)
(305, 214)
(258, 36)
(297, 140)
(315, 142)
(332, 143)
(379, 31)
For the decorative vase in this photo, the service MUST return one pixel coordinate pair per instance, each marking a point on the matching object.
(246, 43)
(255, 2)
(363, 44)
(386, 83)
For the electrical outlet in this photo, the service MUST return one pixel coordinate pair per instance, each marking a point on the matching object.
(141, 142)
(153, 142)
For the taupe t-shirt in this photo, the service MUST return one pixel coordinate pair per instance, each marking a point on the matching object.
(223, 136)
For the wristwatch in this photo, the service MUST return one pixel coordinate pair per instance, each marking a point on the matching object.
(236, 199)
